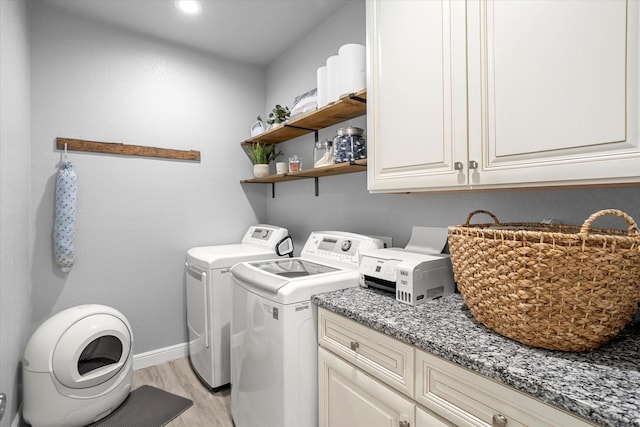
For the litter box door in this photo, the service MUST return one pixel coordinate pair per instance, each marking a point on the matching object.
(91, 351)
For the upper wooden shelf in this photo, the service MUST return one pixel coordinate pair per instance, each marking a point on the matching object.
(347, 107)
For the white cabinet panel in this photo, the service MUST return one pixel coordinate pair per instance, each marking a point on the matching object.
(414, 117)
(349, 397)
(553, 92)
(556, 75)
(469, 399)
(382, 356)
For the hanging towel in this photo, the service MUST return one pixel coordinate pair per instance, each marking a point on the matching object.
(64, 223)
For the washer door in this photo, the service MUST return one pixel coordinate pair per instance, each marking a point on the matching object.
(91, 351)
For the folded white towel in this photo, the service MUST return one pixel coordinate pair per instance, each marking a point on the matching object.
(65, 217)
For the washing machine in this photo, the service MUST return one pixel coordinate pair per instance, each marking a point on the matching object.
(77, 367)
(208, 293)
(274, 341)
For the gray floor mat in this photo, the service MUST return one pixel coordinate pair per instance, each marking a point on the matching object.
(146, 406)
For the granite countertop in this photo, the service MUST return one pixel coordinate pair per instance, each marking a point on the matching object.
(602, 385)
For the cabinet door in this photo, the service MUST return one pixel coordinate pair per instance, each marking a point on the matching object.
(416, 90)
(553, 91)
(349, 397)
(379, 355)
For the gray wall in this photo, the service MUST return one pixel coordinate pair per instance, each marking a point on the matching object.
(15, 287)
(345, 204)
(136, 216)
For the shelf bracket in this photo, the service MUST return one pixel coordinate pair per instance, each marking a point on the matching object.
(299, 127)
(357, 98)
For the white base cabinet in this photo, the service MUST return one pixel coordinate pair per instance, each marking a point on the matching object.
(358, 386)
(502, 94)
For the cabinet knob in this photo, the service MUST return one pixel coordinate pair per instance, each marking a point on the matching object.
(499, 420)
(404, 424)
(473, 164)
(354, 345)
(458, 166)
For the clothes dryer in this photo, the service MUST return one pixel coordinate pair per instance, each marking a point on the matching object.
(273, 328)
(208, 291)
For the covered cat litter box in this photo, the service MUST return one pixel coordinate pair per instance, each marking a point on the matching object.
(77, 367)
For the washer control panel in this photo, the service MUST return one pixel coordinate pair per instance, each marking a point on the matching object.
(338, 246)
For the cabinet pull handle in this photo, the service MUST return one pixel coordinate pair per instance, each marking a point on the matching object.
(473, 164)
(458, 166)
(354, 345)
(404, 424)
(499, 420)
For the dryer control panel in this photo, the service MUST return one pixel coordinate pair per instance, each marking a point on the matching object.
(264, 235)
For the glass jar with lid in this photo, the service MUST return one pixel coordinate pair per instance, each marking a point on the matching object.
(349, 145)
(323, 153)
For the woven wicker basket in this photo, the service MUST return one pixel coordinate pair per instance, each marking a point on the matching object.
(558, 287)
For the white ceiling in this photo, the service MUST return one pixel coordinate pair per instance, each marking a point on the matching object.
(252, 31)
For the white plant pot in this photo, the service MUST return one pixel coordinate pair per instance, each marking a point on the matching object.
(261, 170)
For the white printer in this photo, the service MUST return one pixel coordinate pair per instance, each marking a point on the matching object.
(414, 277)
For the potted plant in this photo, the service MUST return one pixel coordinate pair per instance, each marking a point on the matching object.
(278, 115)
(261, 154)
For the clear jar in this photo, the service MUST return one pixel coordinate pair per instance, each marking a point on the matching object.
(323, 153)
(349, 145)
(295, 164)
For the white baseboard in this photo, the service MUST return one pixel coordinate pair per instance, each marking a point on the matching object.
(159, 356)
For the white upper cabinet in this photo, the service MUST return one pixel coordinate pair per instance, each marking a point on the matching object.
(488, 94)
(416, 93)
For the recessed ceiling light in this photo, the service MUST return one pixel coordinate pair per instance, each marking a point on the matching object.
(189, 7)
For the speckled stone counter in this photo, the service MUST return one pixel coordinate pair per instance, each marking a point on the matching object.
(602, 386)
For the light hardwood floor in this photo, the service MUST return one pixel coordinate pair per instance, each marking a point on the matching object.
(208, 410)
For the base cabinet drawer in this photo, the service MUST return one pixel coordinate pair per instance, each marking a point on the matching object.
(349, 397)
(380, 355)
(468, 399)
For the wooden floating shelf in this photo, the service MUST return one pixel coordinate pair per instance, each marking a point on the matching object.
(335, 169)
(346, 108)
(125, 150)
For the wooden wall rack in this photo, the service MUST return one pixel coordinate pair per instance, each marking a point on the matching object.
(125, 150)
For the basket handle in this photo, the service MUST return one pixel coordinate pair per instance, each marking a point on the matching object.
(495, 219)
(633, 227)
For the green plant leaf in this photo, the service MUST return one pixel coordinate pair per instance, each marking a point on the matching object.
(262, 153)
